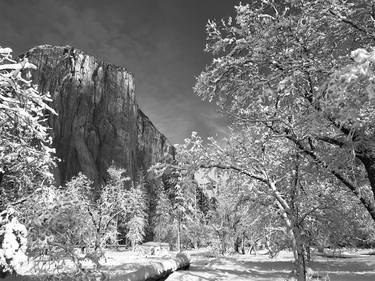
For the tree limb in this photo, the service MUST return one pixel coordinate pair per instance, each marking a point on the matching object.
(368, 204)
(232, 167)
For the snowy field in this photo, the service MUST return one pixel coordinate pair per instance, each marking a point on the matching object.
(358, 266)
(353, 266)
(115, 264)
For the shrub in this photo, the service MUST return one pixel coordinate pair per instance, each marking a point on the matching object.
(13, 242)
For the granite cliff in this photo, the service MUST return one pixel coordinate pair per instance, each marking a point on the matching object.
(98, 121)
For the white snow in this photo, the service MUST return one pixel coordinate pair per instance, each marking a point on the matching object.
(355, 266)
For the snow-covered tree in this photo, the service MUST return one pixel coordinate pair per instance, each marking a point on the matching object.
(26, 155)
(137, 216)
(163, 219)
(303, 70)
(176, 202)
(62, 220)
(13, 243)
(270, 170)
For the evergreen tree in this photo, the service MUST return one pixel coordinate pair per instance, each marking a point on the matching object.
(163, 218)
(137, 216)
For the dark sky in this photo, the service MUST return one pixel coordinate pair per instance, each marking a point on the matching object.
(160, 41)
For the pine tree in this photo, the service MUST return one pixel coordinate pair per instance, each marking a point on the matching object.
(137, 216)
(163, 218)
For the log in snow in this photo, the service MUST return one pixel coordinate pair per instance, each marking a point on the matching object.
(157, 270)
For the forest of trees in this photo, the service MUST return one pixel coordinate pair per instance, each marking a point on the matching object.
(297, 171)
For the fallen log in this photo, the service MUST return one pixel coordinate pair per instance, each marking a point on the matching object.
(157, 270)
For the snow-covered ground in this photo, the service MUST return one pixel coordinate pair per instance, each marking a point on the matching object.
(350, 267)
(116, 265)
(115, 261)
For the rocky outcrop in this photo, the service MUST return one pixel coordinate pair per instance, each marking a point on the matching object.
(98, 121)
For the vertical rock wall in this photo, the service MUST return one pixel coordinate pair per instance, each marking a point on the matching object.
(98, 121)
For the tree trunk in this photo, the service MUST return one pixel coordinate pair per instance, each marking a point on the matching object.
(223, 244)
(298, 252)
(178, 236)
(368, 160)
(237, 244)
(243, 245)
(97, 242)
(320, 249)
(295, 235)
(267, 245)
(300, 263)
(308, 251)
(253, 249)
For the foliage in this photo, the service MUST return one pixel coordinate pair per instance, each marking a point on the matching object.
(297, 75)
(75, 223)
(240, 217)
(150, 184)
(13, 242)
(60, 225)
(342, 223)
(111, 207)
(258, 169)
(136, 209)
(179, 217)
(197, 233)
(136, 231)
(163, 219)
(25, 153)
(180, 191)
(302, 70)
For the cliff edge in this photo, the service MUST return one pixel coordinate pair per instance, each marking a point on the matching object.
(99, 121)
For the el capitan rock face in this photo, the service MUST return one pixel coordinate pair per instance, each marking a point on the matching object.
(98, 121)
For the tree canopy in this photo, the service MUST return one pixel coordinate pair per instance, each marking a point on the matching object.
(301, 70)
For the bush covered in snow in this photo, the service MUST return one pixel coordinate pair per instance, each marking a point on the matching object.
(13, 243)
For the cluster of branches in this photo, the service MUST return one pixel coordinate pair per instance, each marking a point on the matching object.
(72, 223)
(296, 79)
